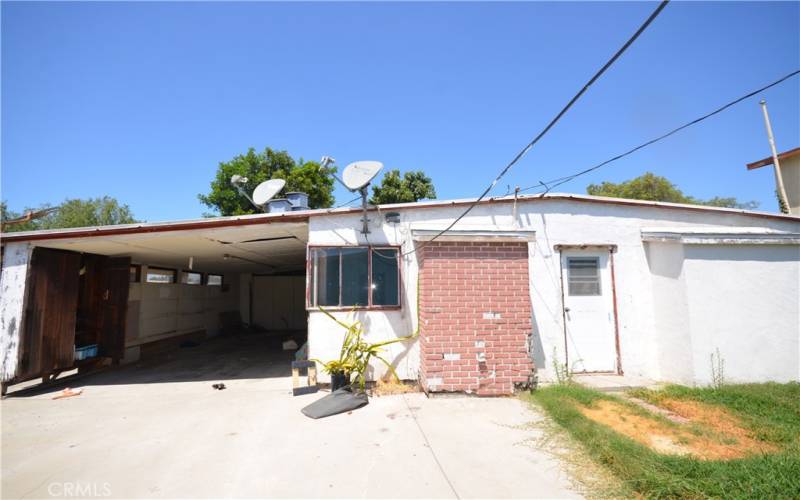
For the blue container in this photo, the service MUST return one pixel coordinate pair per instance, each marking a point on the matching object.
(279, 205)
(85, 352)
(298, 200)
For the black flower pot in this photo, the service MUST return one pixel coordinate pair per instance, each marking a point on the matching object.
(339, 380)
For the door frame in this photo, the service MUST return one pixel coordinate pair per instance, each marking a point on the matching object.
(611, 249)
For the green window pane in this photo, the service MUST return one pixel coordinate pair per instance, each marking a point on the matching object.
(355, 283)
(326, 264)
(384, 278)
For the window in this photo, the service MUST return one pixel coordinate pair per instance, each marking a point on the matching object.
(214, 280)
(159, 275)
(355, 276)
(583, 275)
(191, 278)
(136, 273)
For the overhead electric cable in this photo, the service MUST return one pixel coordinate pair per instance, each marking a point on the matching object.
(549, 185)
(550, 125)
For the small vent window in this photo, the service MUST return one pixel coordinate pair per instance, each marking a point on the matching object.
(583, 275)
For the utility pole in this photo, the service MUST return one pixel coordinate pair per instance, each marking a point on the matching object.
(775, 163)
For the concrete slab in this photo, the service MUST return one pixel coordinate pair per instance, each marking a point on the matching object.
(614, 383)
(161, 431)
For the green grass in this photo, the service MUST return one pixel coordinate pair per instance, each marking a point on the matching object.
(771, 411)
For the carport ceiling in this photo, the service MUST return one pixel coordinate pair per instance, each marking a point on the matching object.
(259, 248)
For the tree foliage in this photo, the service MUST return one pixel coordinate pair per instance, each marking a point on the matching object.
(656, 188)
(413, 186)
(103, 211)
(307, 177)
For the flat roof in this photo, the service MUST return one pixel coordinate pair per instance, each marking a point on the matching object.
(769, 161)
(303, 216)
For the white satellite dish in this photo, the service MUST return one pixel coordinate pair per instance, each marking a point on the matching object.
(267, 190)
(358, 174)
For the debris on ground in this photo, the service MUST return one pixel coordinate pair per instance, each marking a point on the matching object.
(289, 345)
(302, 353)
(339, 401)
(387, 387)
(708, 433)
(68, 393)
(218, 387)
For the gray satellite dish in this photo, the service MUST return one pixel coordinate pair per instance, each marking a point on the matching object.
(267, 190)
(358, 175)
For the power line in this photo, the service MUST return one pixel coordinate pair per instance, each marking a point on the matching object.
(549, 185)
(550, 125)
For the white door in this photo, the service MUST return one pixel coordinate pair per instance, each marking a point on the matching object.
(588, 311)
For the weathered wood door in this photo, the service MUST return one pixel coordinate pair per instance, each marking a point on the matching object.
(115, 307)
(48, 337)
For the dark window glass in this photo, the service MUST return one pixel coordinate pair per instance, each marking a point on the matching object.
(190, 278)
(384, 277)
(583, 275)
(355, 278)
(136, 273)
(326, 263)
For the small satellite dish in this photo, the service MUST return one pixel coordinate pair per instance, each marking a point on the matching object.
(360, 173)
(267, 190)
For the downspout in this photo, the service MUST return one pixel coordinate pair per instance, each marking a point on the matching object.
(616, 315)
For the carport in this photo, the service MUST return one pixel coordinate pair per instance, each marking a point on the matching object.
(92, 297)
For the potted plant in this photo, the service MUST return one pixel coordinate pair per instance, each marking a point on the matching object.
(339, 371)
(355, 355)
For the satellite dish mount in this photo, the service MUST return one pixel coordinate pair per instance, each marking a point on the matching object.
(356, 177)
(262, 193)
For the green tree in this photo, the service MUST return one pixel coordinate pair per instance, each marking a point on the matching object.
(413, 186)
(308, 177)
(103, 211)
(656, 188)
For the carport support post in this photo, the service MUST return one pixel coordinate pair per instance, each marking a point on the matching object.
(13, 282)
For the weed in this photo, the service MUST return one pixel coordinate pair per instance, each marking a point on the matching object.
(717, 370)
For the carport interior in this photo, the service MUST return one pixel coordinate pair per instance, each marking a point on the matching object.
(142, 297)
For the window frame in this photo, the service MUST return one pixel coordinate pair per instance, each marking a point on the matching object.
(157, 268)
(310, 300)
(221, 279)
(186, 272)
(599, 275)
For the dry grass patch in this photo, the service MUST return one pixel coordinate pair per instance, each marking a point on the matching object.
(716, 434)
(389, 387)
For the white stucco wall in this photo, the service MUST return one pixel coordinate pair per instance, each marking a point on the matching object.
(655, 314)
(745, 301)
(16, 259)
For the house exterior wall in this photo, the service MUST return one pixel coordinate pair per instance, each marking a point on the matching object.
(790, 171)
(475, 317)
(744, 302)
(653, 318)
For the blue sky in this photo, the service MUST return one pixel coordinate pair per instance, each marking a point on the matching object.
(140, 101)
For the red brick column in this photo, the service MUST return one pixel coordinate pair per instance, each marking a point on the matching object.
(475, 317)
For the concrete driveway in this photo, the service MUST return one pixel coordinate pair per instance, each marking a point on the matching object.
(165, 437)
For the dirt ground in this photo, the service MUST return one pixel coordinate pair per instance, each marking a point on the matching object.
(709, 433)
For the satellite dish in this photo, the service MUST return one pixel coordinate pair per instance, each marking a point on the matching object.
(358, 174)
(267, 190)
